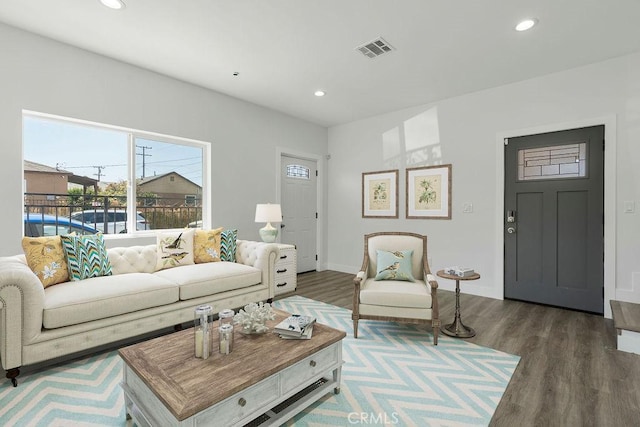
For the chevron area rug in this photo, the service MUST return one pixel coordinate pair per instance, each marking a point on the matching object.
(392, 376)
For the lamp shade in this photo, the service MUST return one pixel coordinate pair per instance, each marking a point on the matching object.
(268, 213)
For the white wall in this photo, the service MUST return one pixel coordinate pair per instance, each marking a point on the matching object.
(42, 75)
(466, 131)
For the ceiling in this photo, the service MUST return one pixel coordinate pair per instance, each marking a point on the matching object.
(284, 50)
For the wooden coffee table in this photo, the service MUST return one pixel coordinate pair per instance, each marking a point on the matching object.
(265, 377)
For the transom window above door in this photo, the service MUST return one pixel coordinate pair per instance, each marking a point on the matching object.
(553, 162)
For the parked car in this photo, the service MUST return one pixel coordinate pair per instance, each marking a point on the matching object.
(116, 220)
(37, 224)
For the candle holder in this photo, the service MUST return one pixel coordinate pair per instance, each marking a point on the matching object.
(203, 330)
(226, 316)
(225, 332)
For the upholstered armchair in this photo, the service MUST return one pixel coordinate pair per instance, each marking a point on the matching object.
(384, 289)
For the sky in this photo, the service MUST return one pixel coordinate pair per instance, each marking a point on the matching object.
(102, 153)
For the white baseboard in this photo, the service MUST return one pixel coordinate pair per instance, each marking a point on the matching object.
(343, 268)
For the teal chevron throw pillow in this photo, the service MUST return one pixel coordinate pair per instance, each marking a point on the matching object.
(228, 245)
(394, 265)
(86, 256)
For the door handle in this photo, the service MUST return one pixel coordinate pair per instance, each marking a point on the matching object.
(511, 230)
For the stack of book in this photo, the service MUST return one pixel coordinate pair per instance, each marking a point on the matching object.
(295, 327)
(459, 271)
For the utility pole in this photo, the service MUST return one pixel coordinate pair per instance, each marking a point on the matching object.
(143, 154)
(99, 174)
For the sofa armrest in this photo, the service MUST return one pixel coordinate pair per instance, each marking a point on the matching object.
(262, 256)
(21, 307)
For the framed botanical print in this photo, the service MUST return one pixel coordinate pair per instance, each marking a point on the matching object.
(380, 194)
(429, 192)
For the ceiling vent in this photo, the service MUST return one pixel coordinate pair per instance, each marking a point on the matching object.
(375, 48)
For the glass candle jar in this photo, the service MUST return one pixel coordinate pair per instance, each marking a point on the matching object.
(203, 330)
(226, 316)
(225, 333)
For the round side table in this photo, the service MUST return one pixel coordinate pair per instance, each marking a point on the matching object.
(457, 328)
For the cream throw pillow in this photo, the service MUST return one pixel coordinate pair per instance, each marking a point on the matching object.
(175, 248)
(206, 245)
(46, 258)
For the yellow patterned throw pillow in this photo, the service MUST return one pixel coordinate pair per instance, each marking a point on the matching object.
(175, 248)
(206, 245)
(45, 257)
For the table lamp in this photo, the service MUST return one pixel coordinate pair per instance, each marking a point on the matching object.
(268, 213)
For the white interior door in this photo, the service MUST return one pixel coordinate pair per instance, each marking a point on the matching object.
(299, 210)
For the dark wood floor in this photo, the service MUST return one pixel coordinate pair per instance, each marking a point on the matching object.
(570, 373)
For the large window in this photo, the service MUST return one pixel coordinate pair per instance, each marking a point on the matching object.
(107, 179)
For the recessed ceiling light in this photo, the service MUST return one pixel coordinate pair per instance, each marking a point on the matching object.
(319, 93)
(113, 4)
(526, 24)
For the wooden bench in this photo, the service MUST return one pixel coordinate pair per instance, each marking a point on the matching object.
(626, 320)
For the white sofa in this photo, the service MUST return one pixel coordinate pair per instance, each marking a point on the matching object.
(38, 324)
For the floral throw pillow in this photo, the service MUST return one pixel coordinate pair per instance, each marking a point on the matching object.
(206, 245)
(175, 248)
(394, 265)
(46, 258)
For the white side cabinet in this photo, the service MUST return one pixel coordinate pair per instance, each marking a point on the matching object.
(286, 269)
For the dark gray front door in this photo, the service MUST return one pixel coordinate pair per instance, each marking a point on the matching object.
(554, 219)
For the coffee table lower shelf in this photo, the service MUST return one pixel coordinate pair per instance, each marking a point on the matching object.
(271, 401)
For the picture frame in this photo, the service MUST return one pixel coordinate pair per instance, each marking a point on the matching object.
(428, 192)
(380, 194)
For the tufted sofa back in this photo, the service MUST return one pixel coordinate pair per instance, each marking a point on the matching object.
(133, 259)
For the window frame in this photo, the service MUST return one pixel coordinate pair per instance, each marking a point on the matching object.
(133, 135)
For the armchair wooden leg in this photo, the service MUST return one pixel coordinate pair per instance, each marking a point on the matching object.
(355, 328)
(436, 331)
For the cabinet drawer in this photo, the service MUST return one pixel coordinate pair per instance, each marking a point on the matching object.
(245, 403)
(286, 284)
(287, 255)
(285, 269)
(312, 366)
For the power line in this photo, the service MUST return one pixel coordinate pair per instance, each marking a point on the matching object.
(174, 160)
(90, 166)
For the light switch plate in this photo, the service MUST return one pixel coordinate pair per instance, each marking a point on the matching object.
(467, 207)
(629, 206)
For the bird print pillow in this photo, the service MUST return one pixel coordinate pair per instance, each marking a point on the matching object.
(394, 265)
(175, 248)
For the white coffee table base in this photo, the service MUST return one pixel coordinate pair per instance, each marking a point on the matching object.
(276, 398)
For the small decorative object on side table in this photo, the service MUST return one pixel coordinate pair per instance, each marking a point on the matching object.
(457, 328)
